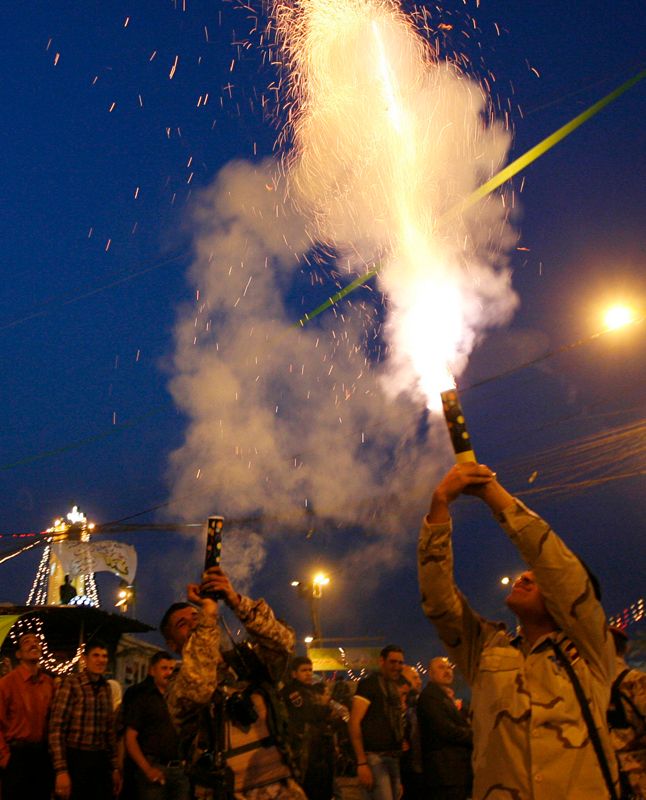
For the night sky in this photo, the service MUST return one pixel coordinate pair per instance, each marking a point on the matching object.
(104, 156)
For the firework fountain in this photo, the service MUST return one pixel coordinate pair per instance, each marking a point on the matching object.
(388, 140)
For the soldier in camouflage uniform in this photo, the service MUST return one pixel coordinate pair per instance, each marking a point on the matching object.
(530, 739)
(231, 721)
(627, 719)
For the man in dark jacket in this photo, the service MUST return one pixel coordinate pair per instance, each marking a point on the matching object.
(311, 733)
(445, 736)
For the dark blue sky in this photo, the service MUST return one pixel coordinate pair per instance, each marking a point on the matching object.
(93, 277)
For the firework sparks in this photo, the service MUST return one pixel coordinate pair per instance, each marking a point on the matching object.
(386, 140)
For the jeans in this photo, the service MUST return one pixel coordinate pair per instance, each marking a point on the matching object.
(385, 776)
(176, 786)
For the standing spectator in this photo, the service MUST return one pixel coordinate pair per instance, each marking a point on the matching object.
(445, 737)
(411, 760)
(530, 736)
(25, 699)
(345, 768)
(310, 730)
(151, 739)
(82, 735)
(376, 727)
(627, 720)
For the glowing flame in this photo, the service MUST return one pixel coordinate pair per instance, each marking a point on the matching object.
(387, 140)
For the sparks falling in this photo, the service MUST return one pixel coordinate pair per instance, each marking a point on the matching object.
(387, 140)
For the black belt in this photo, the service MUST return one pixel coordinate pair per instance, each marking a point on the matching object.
(27, 745)
(168, 764)
(385, 753)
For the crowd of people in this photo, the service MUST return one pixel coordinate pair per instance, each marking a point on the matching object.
(554, 710)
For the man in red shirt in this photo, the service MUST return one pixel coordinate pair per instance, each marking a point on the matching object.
(25, 699)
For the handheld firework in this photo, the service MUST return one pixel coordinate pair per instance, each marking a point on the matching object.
(457, 426)
(213, 549)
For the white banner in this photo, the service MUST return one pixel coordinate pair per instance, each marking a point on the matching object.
(83, 558)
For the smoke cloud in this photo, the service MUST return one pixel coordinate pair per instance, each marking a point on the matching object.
(284, 423)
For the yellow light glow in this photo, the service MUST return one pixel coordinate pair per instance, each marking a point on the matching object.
(505, 581)
(308, 639)
(320, 579)
(617, 316)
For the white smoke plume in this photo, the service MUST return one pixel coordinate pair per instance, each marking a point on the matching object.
(388, 143)
(283, 422)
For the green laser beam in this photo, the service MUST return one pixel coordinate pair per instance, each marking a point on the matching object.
(493, 183)
(504, 175)
(542, 147)
(154, 410)
(335, 298)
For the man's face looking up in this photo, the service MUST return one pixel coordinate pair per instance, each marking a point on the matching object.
(526, 599)
(29, 648)
(181, 624)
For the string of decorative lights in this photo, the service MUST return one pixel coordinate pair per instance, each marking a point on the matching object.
(24, 549)
(633, 613)
(60, 530)
(48, 660)
(38, 592)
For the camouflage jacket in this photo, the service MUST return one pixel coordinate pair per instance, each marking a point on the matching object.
(630, 741)
(203, 670)
(530, 740)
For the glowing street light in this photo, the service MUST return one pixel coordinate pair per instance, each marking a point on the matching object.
(505, 581)
(312, 591)
(318, 582)
(125, 596)
(617, 316)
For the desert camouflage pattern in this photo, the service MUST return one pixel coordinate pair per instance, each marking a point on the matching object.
(285, 790)
(630, 742)
(530, 740)
(203, 669)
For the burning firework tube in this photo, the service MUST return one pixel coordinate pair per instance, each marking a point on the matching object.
(457, 426)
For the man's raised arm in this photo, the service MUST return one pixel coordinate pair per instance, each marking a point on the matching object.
(462, 631)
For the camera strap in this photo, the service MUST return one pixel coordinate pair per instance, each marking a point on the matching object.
(564, 661)
(267, 741)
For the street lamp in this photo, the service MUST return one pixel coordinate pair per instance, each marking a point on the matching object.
(617, 316)
(312, 591)
(318, 582)
(125, 596)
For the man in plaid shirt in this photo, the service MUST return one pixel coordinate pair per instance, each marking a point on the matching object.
(82, 736)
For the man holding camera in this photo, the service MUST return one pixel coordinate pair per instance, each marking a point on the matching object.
(225, 703)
